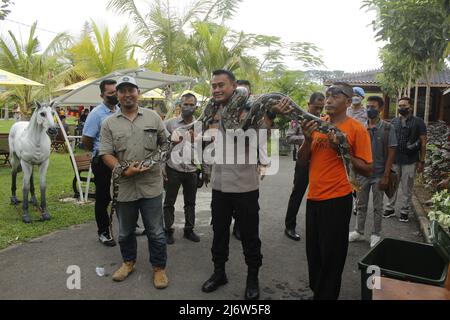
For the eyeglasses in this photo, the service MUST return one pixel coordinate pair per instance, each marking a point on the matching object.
(334, 91)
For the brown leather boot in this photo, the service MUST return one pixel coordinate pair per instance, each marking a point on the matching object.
(160, 280)
(125, 270)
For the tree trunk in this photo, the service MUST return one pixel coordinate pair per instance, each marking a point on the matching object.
(6, 112)
(387, 105)
(416, 99)
(427, 96)
(409, 86)
(169, 102)
(399, 96)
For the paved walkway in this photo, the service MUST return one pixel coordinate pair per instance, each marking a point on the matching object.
(37, 270)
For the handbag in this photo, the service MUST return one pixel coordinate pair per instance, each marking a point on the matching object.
(394, 181)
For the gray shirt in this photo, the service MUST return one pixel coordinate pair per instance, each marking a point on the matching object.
(133, 141)
(295, 135)
(172, 126)
(378, 138)
(359, 115)
(236, 178)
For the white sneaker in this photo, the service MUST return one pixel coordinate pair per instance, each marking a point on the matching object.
(355, 236)
(374, 240)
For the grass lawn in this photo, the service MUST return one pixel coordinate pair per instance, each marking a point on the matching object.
(5, 125)
(59, 186)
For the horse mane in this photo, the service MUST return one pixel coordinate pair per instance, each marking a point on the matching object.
(33, 116)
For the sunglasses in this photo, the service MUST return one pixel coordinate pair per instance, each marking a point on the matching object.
(334, 91)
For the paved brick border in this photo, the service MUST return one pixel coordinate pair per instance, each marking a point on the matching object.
(422, 217)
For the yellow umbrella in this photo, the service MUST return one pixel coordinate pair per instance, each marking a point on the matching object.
(199, 97)
(156, 94)
(77, 85)
(11, 79)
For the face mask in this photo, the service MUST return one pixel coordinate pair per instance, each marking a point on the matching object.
(187, 112)
(404, 112)
(357, 100)
(112, 100)
(373, 113)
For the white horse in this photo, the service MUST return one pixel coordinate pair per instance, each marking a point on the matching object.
(30, 145)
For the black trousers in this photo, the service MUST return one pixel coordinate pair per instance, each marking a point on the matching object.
(327, 228)
(301, 181)
(245, 207)
(102, 182)
(175, 181)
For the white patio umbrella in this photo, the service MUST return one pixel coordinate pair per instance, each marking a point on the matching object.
(77, 85)
(89, 95)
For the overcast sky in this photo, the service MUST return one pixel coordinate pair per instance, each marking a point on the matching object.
(341, 29)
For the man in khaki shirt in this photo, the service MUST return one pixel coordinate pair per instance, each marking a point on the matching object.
(132, 135)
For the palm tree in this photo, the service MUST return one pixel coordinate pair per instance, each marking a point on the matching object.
(163, 29)
(27, 60)
(211, 47)
(4, 10)
(96, 54)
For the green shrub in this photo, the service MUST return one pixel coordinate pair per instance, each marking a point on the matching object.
(441, 209)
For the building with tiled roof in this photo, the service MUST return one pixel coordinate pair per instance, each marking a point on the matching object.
(440, 95)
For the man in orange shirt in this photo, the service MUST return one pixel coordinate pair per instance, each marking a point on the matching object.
(329, 205)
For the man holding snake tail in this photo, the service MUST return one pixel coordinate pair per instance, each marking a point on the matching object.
(329, 205)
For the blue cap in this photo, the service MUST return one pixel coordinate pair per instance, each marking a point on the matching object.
(359, 91)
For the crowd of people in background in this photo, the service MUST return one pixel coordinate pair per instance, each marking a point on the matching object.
(118, 130)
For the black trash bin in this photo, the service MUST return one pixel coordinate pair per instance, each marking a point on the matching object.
(408, 261)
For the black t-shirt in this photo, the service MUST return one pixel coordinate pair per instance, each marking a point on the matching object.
(409, 134)
(83, 118)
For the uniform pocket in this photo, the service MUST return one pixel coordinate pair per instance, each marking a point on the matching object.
(150, 138)
(120, 140)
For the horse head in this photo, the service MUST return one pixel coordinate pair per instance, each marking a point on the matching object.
(45, 117)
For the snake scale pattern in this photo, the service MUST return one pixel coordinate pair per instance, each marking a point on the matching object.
(231, 120)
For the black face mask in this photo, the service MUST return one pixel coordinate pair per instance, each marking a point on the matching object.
(112, 100)
(404, 112)
(373, 113)
(187, 112)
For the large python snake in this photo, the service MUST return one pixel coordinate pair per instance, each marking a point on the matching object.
(231, 119)
(259, 106)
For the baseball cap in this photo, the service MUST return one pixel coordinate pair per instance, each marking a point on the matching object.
(359, 91)
(126, 80)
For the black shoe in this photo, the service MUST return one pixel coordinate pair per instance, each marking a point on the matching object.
(107, 240)
(404, 218)
(216, 280)
(192, 236)
(237, 233)
(389, 214)
(169, 237)
(252, 289)
(291, 234)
